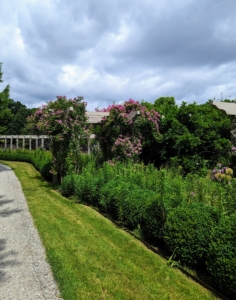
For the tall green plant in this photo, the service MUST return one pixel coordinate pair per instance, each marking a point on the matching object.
(5, 112)
(188, 230)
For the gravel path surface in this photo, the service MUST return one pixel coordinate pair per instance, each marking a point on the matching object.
(24, 272)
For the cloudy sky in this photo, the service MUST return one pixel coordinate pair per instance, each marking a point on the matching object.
(111, 51)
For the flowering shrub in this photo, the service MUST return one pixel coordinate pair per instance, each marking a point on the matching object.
(222, 174)
(64, 121)
(122, 137)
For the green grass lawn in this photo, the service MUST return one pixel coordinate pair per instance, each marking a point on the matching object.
(93, 259)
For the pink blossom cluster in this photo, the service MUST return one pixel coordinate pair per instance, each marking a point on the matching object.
(127, 147)
(117, 107)
(126, 132)
(54, 120)
(123, 111)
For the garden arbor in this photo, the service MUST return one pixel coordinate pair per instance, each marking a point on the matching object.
(19, 141)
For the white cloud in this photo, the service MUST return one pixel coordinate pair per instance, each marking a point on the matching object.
(112, 51)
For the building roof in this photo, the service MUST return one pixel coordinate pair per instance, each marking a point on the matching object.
(229, 108)
(96, 117)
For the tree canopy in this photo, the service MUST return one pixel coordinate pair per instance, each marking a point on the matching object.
(5, 112)
(192, 135)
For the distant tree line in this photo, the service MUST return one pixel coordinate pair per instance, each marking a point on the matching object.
(192, 135)
(13, 114)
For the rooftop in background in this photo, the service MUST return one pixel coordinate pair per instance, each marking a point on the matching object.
(229, 108)
(96, 117)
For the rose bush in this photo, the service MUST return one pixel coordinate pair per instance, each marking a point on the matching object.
(64, 121)
(123, 135)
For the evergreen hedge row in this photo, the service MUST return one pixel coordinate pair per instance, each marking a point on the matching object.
(196, 227)
(40, 159)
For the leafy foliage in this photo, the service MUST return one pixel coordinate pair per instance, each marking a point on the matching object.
(68, 185)
(180, 213)
(5, 112)
(193, 136)
(153, 221)
(221, 257)
(20, 113)
(188, 230)
(40, 159)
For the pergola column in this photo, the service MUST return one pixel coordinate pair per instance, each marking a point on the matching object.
(30, 140)
(5, 143)
(42, 142)
(36, 143)
(11, 142)
(89, 146)
(17, 142)
(23, 143)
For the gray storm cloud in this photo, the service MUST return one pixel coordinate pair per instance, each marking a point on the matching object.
(110, 52)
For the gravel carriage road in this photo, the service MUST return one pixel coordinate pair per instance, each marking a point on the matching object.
(24, 272)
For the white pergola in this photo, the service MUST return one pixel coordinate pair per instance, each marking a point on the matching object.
(93, 118)
(23, 138)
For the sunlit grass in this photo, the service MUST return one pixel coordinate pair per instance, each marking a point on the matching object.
(93, 259)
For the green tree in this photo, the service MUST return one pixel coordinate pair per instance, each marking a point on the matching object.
(192, 135)
(17, 124)
(210, 129)
(5, 112)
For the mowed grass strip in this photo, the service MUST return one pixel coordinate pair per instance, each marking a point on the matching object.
(93, 259)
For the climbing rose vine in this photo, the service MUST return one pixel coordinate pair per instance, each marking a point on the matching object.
(122, 137)
(64, 121)
(127, 148)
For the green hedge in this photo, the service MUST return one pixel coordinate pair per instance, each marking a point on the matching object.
(40, 159)
(221, 256)
(188, 231)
